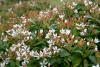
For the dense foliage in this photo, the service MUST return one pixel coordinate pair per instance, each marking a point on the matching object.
(49, 33)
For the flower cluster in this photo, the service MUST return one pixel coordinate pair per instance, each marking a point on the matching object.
(42, 34)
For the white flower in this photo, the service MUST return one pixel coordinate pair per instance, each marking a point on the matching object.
(14, 33)
(61, 16)
(88, 43)
(99, 9)
(2, 64)
(24, 21)
(18, 54)
(62, 31)
(96, 40)
(68, 31)
(74, 3)
(6, 60)
(66, 21)
(75, 11)
(34, 54)
(22, 17)
(73, 36)
(18, 45)
(96, 48)
(55, 10)
(41, 13)
(23, 63)
(82, 33)
(55, 49)
(62, 40)
(43, 63)
(47, 36)
(50, 42)
(54, 36)
(18, 58)
(85, 30)
(10, 10)
(17, 26)
(12, 48)
(47, 52)
(24, 53)
(5, 38)
(85, 2)
(41, 54)
(2, 34)
(51, 31)
(76, 41)
(41, 31)
(90, 2)
(29, 33)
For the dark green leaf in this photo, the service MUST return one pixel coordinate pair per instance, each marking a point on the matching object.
(76, 60)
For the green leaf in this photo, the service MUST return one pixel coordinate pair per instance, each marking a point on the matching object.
(80, 6)
(52, 61)
(68, 12)
(64, 53)
(55, 60)
(93, 59)
(75, 32)
(86, 63)
(53, 26)
(86, 53)
(12, 63)
(76, 60)
(78, 51)
(33, 63)
(3, 46)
